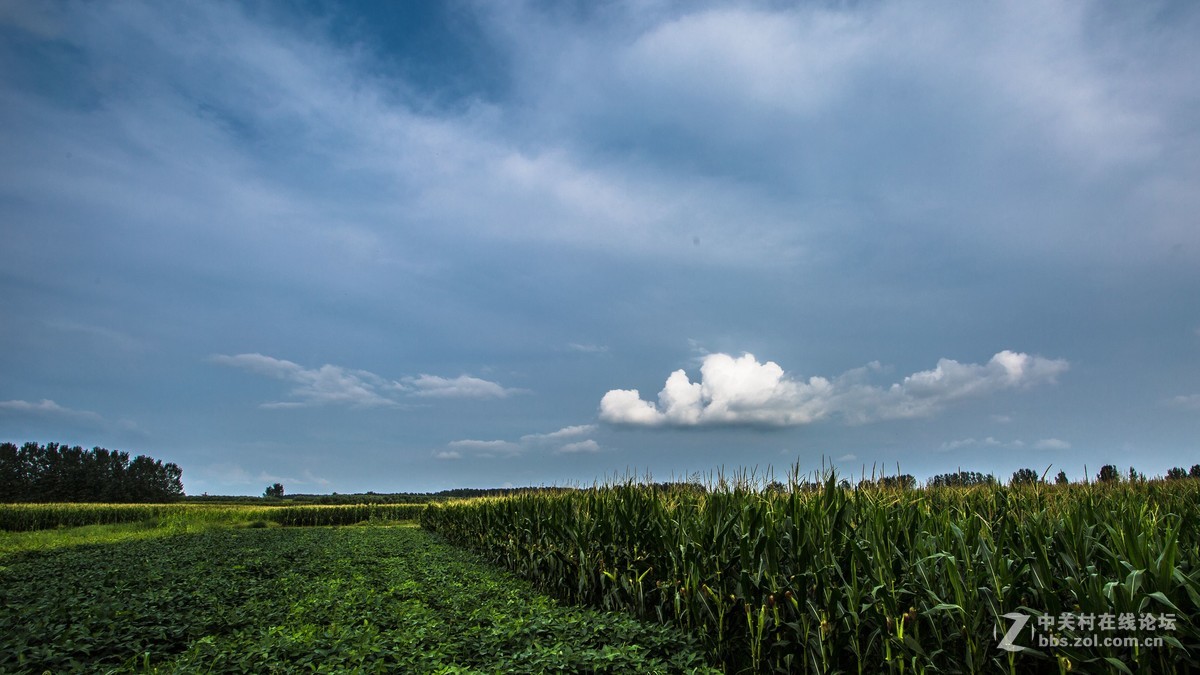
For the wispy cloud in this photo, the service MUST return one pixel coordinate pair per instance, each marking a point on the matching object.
(577, 447)
(742, 391)
(1016, 444)
(335, 385)
(1185, 402)
(463, 386)
(587, 348)
(555, 436)
(556, 442)
(50, 409)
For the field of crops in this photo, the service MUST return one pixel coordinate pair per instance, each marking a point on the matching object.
(871, 580)
(28, 517)
(386, 599)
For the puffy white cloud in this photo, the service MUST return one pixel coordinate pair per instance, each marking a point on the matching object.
(329, 384)
(734, 391)
(625, 406)
(447, 454)
(1052, 444)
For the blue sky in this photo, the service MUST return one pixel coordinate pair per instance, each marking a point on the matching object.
(417, 246)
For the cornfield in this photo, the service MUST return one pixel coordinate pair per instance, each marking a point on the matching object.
(835, 579)
(27, 517)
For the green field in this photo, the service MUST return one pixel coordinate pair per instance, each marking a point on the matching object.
(824, 578)
(285, 600)
(803, 578)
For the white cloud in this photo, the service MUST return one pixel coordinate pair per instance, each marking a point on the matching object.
(48, 408)
(1052, 444)
(847, 458)
(448, 454)
(486, 446)
(734, 391)
(565, 432)
(586, 348)
(587, 446)
(971, 442)
(335, 385)
(554, 440)
(326, 385)
(463, 386)
(1185, 402)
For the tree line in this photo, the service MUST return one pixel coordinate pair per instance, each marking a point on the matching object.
(61, 473)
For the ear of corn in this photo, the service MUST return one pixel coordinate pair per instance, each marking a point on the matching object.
(830, 579)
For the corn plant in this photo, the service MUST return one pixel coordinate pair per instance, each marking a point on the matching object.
(821, 577)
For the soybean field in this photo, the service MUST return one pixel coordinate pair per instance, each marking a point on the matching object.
(375, 599)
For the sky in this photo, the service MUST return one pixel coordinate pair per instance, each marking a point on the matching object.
(420, 246)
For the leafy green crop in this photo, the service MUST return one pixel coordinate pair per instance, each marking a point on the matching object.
(868, 580)
(284, 600)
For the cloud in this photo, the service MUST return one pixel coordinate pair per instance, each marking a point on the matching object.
(847, 457)
(335, 385)
(552, 441)
(742, 391)
(48, 408)
(587, 446)
(586, 348)
(1185, 402)
(958, 444)
(992, 442)
(236, 474)
(565, 432)
(463, 386)
(327, 385)
(489, 446)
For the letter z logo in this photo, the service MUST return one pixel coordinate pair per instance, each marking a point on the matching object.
(1019, 621)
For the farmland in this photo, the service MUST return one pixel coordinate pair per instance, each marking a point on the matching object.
(832, 579)
(805, 577)
(317, 599)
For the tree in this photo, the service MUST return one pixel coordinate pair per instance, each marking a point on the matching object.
(1195, 472)
(962, 479)
(1108, 474)
(903, 481)
(1024, 477)
(274, 491)
(1061, 478)
(1177, 473)
(53, 472)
